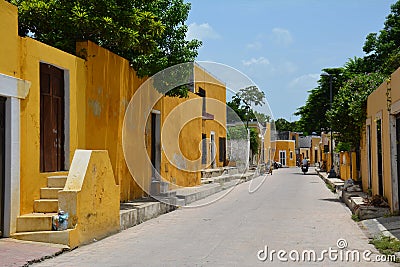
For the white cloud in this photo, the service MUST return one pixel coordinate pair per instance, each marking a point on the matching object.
(258, 61)
(281, 36)
(307, 81)
(255, 45)
(201, 32)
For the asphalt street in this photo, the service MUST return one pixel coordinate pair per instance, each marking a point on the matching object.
(289, 212)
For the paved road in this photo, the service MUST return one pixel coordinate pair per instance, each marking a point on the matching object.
(290, 211)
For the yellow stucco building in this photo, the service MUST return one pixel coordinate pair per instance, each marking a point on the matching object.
(53, 103)
(380, 143)
(285, 152)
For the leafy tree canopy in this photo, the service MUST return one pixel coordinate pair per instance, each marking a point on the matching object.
(313, 113)
(240, 105)
(348, 112)
(282, 125)
(383, 48)
(149, 33)
(251, 95)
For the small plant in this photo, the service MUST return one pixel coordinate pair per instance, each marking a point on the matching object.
(331, 187)
(387, 245)
(355, 217)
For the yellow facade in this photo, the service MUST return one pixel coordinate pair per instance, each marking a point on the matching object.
(269, 150)
(21, 59)
(98, 87)
(285, 152)
(379, 170)
(190, 124)
(348, 167)
(111, 83)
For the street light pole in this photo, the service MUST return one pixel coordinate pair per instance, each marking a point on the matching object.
(332, 173)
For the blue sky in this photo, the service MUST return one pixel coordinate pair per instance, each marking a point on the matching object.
(283, 45)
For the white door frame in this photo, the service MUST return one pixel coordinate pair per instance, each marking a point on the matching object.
(395, 111)
(212, 150)
(14, 90)
(280, 158)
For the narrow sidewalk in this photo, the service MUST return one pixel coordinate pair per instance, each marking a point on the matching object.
(22, 253)
(375, 227)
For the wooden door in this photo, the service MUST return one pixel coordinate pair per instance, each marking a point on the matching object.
(51, 118)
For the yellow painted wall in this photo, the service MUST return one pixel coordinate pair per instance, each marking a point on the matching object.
(111, 83)
(10, 41)
(32, 53)
(377, 106)
(288, 146)
(100, 87)
(348, 168)
(315, 140)
(176, 166)
(305, 153)
(91, 197)
(268, 149)
(215, 105)
(20, 58)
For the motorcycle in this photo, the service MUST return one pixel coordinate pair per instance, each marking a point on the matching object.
(304, 169)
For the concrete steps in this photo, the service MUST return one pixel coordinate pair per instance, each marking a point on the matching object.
(37, 226)
(45, 205)
(49, 192)
(55, 237)
(35, 222)
(56, 181)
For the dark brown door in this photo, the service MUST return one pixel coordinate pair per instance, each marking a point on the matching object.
(2, 162)
(51, 118)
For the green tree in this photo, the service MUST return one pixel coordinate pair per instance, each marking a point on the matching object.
(241, 103)
(254, 141)
(150, 34)
(383, 48)
(240, 108)
(313, 114)
(348, 111)
(251, 95)
(282, 125)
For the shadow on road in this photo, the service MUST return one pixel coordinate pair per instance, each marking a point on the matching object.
(330, 199)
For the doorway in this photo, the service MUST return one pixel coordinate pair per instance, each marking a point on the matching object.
(212, 149)
(397, 154)
(51, 118)
(379, 156)
(369, 159)
(2, 163)
(282, 157)
(156, 144)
